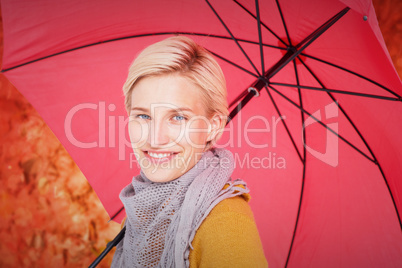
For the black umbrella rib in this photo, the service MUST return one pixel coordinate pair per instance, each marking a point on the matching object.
(257, 8)
(233, 38)
(329, 23)
(353, 73)
(293, 52)
(319, 31)
(262, 23)
(109, 246)
(238, 98)
(304, 167)
(232, 63)
(284, 23)
(301, 105)
(116, 214)
(362, 138)
(337, 91)
(134, 36)
(240, 106)
(285, 125)
(321, 123)
(243, 103)
(339, 106)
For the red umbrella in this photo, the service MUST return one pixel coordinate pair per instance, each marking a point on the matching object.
(319, 147)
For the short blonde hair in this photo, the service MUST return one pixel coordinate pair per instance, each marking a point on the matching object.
(181, 55)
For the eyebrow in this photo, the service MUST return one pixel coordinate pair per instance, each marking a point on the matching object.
(140, 109)
(180, 109)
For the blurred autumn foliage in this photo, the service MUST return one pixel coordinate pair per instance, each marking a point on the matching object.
(49, 214)
(389, 15)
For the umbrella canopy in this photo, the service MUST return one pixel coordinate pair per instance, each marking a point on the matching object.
(317, 138)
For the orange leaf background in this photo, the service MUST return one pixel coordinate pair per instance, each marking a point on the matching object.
(49, 214)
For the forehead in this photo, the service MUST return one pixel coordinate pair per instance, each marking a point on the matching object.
(172, 90)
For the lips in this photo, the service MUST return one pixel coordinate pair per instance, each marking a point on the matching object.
(158, 157)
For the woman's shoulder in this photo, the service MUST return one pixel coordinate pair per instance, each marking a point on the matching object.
(228, 237)
(231, 214)
(234, 206)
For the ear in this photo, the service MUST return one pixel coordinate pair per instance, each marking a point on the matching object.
(217, 124)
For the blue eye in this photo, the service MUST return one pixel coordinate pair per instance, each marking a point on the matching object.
(143, 116)
(179, 117)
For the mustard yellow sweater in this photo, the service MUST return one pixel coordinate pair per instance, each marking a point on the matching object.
(228, 237)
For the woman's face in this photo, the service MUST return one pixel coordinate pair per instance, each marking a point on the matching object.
(168, 126)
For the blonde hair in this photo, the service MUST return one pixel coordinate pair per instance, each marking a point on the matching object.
(181, 55)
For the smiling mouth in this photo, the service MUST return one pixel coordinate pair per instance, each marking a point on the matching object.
(159, 156)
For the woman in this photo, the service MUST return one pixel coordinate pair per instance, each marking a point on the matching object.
(182, 209)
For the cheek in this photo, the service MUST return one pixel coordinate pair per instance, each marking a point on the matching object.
(196, 136)
(138, 133)
(176, 133)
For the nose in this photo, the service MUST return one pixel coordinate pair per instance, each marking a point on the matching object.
(159, 133)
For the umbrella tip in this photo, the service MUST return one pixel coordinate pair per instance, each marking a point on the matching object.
(365, 18)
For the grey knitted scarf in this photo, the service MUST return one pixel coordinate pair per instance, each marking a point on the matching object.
(162, 218)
